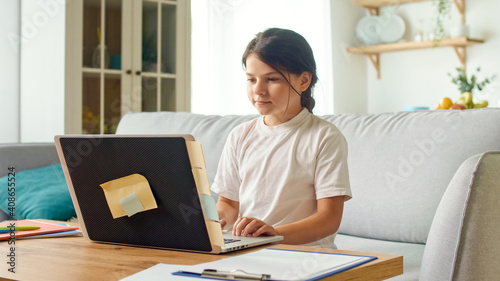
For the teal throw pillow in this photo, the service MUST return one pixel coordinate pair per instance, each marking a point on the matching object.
(39, 194)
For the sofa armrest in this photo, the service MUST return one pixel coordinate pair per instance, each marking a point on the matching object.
(463, 243)
(27, 156)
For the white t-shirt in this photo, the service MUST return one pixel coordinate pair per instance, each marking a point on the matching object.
(277, 173)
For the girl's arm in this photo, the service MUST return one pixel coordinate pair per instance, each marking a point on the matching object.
(324, 222)
(228, 211)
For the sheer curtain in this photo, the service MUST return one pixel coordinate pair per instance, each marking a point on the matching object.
(221, 29)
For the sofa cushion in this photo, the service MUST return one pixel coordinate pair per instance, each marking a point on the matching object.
(400, 163)
(40, 193)
(412, 253)
(463, 240)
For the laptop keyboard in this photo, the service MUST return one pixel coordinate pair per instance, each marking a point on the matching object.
(229, 240)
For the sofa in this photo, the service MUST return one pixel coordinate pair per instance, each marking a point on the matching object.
(426, 184)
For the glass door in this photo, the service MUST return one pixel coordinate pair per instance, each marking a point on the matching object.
(101, 69)
(158, 55)
(130, 60)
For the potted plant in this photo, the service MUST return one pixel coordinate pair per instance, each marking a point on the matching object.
(466, 86)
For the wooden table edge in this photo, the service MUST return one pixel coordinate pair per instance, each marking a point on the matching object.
(385, 266)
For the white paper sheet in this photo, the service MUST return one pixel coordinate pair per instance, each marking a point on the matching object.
(160, 271)
(280, 264)
(285, 264)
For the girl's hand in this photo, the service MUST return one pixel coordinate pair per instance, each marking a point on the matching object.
(222, 223)
(245, 226)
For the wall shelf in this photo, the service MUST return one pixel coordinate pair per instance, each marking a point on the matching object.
(383, 3)
(403, 46)
(373, 51)
(459, 44)
(373, 6)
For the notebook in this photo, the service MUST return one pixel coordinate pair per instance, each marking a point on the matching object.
(44, 229)
(149, 191)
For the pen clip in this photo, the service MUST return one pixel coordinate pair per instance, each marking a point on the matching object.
(231, 275)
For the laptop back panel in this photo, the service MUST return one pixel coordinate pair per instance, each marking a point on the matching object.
(177, 223)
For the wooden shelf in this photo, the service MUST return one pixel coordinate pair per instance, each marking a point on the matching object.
(403, 46)
(373, 6)
(383, 3)
(373, 51)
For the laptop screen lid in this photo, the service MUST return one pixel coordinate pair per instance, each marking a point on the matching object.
(178, 220)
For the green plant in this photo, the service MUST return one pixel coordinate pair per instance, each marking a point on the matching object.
(467, 85)
(443, 10)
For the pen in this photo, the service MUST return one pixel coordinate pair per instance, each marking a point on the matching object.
(230, 275)
(7, 229)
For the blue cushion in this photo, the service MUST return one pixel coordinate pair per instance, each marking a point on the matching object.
(39, 194)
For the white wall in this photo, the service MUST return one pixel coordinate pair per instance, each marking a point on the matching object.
(419, 77)
(217, 75)
(408, 78)
(9, 71)
(349, 71)
(42, 70)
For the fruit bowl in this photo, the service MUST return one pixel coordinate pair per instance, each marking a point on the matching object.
(464, 102)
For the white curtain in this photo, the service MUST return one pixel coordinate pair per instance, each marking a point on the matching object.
(221, 29)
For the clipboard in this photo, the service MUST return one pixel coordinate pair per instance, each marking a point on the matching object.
(276, 264)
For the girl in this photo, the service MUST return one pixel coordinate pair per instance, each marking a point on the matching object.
(284, 173)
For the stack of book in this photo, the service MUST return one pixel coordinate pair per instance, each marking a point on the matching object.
(22, 229)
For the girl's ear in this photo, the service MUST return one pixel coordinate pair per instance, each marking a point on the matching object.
(305, 80)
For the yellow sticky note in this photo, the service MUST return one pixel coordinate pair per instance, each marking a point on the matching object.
(195, 153)
(121, 190)
(215, 233)
(201, 180)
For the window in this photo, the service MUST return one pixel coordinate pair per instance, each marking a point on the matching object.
(221, 29)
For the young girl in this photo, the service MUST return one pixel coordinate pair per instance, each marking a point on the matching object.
(284, 173)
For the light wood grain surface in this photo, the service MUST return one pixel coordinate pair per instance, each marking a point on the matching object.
(404, 46)
(75, 258)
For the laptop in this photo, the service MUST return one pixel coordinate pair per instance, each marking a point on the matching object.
(148, 191)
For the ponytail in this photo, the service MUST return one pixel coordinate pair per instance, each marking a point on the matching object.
(307, 101)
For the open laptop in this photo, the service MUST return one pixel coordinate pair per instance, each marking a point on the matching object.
(145, 191)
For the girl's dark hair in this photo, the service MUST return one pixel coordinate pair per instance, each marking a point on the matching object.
(285, 50)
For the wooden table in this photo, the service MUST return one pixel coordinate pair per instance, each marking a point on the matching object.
(75, 258)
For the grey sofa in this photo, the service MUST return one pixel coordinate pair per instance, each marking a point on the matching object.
(426, 184)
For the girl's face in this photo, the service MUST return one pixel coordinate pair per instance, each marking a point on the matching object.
(270, 93)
